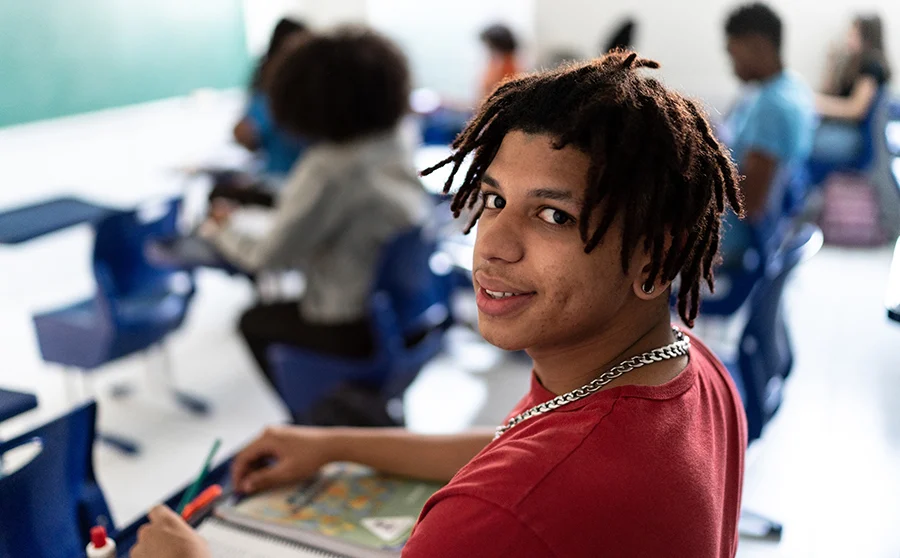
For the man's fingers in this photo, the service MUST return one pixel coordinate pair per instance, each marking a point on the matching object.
(262, 479)
(160, 513)
(248, 458)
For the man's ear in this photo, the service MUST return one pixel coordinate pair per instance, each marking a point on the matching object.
(641, 264)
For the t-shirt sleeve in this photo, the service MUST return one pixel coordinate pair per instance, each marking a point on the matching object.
(768, 132)
(875, 69)
(465, 526)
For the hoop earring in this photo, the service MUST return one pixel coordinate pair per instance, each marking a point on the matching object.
(648, 288)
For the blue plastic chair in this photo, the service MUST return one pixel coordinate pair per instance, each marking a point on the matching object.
(409, 301)
(135, 307)
(895, 172)
(735, 283)
(443, 125)
(819, 170)
(14, 403)
(765, 356)
(48, 506)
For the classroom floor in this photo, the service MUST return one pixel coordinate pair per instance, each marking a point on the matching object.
(828, 466)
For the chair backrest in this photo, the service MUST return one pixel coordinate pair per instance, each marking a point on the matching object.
(411, 285)
(872, 127)
(797, 188)
(120, 264)
(765, 357)
(48, 505)
(736, 279)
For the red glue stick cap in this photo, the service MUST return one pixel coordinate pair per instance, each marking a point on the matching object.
(98, 536)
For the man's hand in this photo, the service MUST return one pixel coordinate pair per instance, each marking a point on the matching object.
(220, 211)
(168, 536)
(281, 456)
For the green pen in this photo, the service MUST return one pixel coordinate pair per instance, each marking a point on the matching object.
(191, 492)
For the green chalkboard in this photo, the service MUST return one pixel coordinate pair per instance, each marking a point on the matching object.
(60, 57)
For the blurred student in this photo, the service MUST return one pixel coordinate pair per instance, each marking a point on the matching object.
(502, 47)
(257, 131)
(771, 127)
(596, 186)
(853, 79)
(354, 189)
(623, 37)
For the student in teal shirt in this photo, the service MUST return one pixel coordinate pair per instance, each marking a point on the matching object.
(257, 131)
(771, 128)
(279, 149)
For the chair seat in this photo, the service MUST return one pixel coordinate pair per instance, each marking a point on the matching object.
(80, 335)
(136, 310)
(303, 376)
(14, 403)
(163, 308)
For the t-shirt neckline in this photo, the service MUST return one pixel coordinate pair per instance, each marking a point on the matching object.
(673, 388)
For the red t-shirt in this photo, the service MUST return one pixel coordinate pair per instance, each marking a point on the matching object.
(629, 471)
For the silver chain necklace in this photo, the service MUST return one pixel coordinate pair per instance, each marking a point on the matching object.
(680, 347)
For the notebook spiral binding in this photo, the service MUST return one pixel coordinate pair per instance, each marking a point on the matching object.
(275, 539)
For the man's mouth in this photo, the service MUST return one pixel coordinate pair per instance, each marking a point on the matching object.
(498, 295)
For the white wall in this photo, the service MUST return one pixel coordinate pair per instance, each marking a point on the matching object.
(687, 38)
(441, 38)
(262, 15)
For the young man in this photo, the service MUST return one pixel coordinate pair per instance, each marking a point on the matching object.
(771, 127)
(594, 186)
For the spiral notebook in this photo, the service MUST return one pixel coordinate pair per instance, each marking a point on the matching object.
(348, 511)
(225, 541)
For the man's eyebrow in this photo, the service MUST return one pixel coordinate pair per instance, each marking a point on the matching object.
(553, 194)
(556, 194)
(490, 181)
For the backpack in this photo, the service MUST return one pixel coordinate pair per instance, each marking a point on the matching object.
(850, 213)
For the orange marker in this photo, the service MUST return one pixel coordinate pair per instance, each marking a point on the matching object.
(205, 498)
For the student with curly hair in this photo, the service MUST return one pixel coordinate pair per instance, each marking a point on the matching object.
(353, 191)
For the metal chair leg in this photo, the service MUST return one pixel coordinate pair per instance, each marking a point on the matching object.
(192, 403)
(119, 443)
(125, 445)
(755, 526)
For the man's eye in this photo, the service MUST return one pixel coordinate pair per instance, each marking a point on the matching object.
(555, 216)
(493, 201)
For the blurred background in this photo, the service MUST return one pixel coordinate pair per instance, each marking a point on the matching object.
(119, 119)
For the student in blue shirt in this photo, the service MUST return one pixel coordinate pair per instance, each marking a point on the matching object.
(258, 132)
(771, 127)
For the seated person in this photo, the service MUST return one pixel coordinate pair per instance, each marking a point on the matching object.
(501, 46)
(351, 193)
(622, 38)
(257, 132)
(852, 81)
(442, 123)
(770, 128)
(596, 186)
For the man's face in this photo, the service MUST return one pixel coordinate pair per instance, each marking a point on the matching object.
(528, 244)
(744, 54)
(854, 39)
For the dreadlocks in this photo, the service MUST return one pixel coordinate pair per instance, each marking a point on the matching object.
(654, 162)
